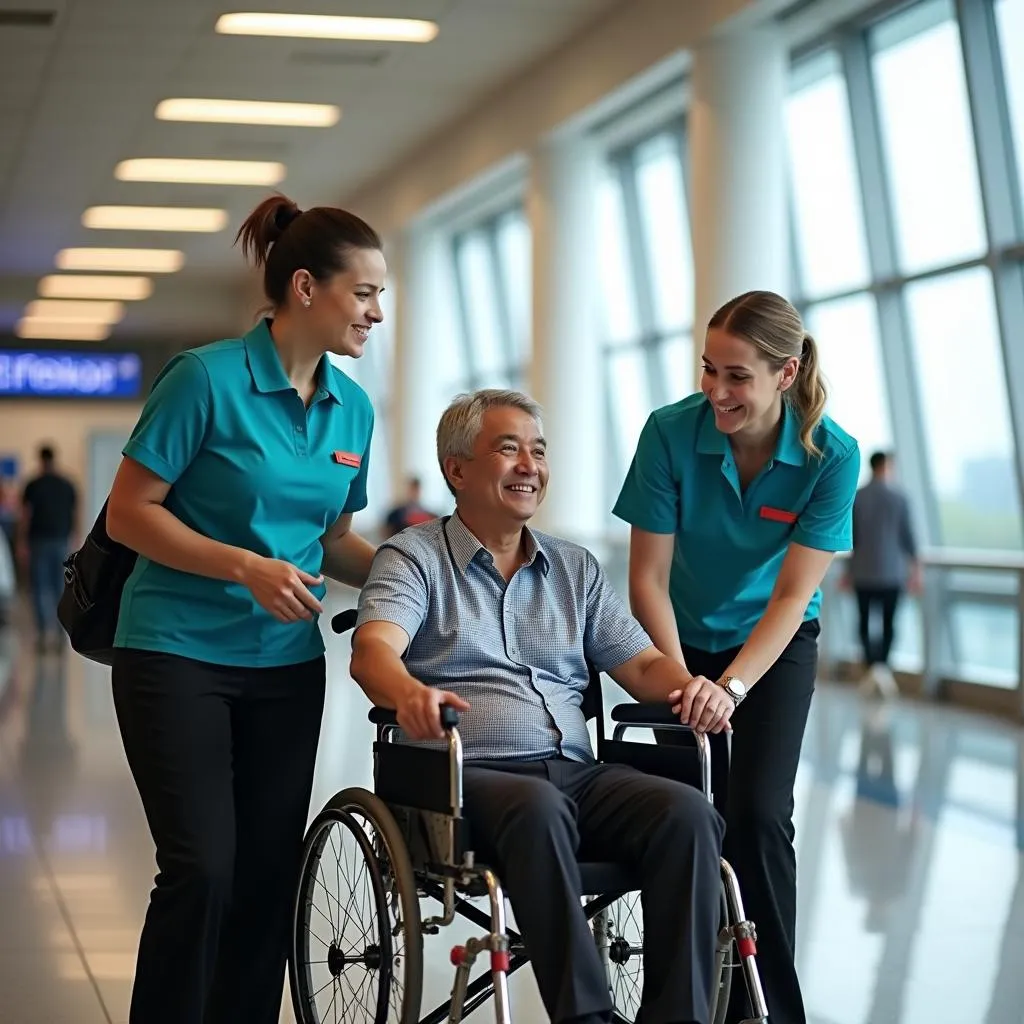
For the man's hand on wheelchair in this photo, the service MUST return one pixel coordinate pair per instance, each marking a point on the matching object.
(419, 711)
(703, 705)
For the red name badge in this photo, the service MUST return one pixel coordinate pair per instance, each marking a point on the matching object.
(347, 459)
(777, 515)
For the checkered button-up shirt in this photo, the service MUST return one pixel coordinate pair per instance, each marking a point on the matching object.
(517, 652)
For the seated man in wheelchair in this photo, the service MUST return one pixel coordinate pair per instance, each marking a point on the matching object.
(479, 612)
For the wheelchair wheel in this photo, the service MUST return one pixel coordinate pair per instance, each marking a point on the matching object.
(622, 948)
(622, 945)
(357, 945)
(723, 983)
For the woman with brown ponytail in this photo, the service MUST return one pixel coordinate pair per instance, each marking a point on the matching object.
(237, 490)
(739, 498)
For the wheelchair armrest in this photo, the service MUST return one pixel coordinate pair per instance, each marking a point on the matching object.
(659, 715)
(383, 716)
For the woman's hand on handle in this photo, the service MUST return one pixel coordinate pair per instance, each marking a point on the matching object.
(281, 589)
(703, 705)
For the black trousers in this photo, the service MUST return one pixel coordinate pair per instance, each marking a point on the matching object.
(754, 774)
(886, 600)
(533, 820)
(223, 759)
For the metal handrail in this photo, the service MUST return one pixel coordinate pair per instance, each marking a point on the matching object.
(967, 560)
(945, 558)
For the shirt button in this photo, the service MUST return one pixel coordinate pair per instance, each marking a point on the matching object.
(299, 429)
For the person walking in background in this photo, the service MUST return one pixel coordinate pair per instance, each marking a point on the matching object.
(49, 510)
(882, 565)
(409, 513)
(10, 511)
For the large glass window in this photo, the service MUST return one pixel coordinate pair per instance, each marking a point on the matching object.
(846, 331)
(666, 230)
(829, 236)
(628, 398)
(897, 278)
(962, 385)
(618, 289)
(981, 644)
(926, 131)
(492, 285)
(478, 293)
(513, 235)
(647, 286)
(1010, 20)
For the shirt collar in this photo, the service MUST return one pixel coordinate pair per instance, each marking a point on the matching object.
(465, 546)
(788, 447)
(267, 372)
(711, 441)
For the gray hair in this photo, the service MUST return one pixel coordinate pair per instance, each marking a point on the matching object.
(462, 421)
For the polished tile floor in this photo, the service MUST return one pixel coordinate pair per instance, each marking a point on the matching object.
(910, 832)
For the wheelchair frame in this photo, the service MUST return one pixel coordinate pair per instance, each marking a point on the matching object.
(449, 873)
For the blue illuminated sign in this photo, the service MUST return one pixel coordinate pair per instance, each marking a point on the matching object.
(70, 374)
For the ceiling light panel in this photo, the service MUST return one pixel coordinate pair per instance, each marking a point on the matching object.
(61, 330)
(140, 261)
(201, 172)
(321, 26)
(155, 218)
(95, 286)
(299, 115)
(80, 311)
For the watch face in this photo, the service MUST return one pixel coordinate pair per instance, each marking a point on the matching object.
(736, 688)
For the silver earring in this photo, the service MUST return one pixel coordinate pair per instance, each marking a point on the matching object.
(306, 302)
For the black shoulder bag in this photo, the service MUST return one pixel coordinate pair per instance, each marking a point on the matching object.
(94, 577)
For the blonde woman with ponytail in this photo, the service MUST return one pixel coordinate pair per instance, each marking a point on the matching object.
(739, 497)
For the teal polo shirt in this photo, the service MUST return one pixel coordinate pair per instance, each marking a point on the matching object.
(251, 466)
(729, 544)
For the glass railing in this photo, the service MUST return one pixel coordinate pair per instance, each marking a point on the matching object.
(966, 628)
(963, 637)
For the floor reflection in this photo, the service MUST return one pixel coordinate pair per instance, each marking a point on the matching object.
(909, 824)
(910, 833)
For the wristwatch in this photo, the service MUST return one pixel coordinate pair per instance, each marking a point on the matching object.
(736, 688)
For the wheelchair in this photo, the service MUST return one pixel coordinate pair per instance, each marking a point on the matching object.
(356, 949)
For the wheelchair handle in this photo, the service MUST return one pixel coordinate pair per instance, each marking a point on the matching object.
(344, 621)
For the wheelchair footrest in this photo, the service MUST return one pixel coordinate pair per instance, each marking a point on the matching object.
(463, 958)
(746, 939)
(498, 945)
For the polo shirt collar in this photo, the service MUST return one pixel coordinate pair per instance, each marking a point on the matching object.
(465, 546)
(788, 447)
(268, 374)
(711, 441)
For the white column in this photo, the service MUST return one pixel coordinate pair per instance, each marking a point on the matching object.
(413, 451)
(565, 374)
(738, 184)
